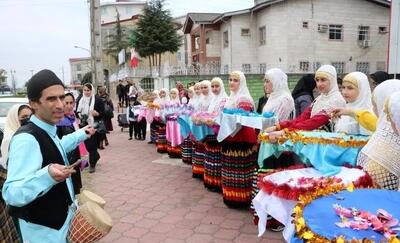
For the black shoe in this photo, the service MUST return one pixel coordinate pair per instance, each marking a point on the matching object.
(130, 138)
(143, 139)
(150, 142)
(92, 169)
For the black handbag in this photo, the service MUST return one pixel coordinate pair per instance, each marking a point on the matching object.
(100, 127)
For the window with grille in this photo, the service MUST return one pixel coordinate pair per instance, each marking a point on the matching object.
(246, 68)
(245, 32)
(363, 33)
(226, 69)
(304, 66)
(262, 35)
(225, 39)
(339, 67)
(147, 84)
(362, 67)
(335, 32)
(380, 66)
(305, 24)
(316, 65)
(263, 67)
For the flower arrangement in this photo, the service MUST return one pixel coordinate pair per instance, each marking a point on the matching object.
(298, 137)
(305, 233)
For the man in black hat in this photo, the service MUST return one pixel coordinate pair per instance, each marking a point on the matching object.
(38, 189)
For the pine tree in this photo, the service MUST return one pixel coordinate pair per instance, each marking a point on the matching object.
(155, 34)
(118, 40)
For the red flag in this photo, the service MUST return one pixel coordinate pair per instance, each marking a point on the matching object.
(134, 59)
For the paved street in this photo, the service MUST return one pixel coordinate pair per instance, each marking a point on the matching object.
(152, 198)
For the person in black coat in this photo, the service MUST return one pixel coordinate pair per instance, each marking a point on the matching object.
(65, 127)
(90, 110)
(303, 93)
(262, 101)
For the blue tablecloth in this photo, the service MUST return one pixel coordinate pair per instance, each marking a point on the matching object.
(320, 216)
(199, 131)
(327, 158)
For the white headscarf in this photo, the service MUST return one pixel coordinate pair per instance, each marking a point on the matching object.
(333, 99)
(383, 91)
(393, 109)
(86, 106)
(205, 100)
(164, 100)
(176, 99)
(349, 124)
(280, 101)
(242, 94)
(11, 126)
(195, 100)
(217, 100)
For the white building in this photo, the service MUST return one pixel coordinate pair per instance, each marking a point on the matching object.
(126, 9)
(79, 67)
(294, 35)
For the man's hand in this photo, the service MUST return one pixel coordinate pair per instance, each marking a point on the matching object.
(60, 172)
(89, 130)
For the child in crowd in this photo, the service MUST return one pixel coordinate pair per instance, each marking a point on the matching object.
(132, 119)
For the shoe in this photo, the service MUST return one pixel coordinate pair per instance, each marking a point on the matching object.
(130, 138)
(106, 143)
(101, 147)
(150, 142)
(274, 225)
(92, 169)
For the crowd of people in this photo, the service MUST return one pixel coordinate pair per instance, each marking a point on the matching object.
(56, 129)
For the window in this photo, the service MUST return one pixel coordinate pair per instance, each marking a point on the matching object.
(147, 84)
(335, 32)
(225, 39)
(245, 32)
(79, 76)
(382, 29)
(305, 25)
(207, 40)
(316, 65)
(363, 33)
(339, 67)
(362, 67)
(263, 67)
(178, 56)
(380, 66)
(304, 66)
(246, 68)
(226, 69)
(78, 67)
(262, 35)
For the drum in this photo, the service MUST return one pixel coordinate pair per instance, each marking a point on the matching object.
(88, 196)
(90, 224)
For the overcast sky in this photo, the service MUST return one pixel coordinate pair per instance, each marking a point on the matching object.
(38, 34)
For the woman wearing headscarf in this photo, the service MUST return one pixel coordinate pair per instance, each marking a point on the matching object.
(196, 97)
(150, 117)
(161, 142)
(108, 114)
(380, 157)
(90, 111)
(174, 97)
(219, 96)
(303, 93)
(212, 149)
(207, 95)
(239, 152)
(317, 115)
(357, 93)
(18, 115)
(367, 118)
(280, 100)
(66, 126)
(378, 77)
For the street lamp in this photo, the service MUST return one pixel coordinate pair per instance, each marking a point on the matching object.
(83, 48)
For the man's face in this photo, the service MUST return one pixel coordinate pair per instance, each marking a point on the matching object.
(50, 107)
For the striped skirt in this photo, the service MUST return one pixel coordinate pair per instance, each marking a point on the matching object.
(212, 164)
(174, 151)
(161, 139)
(239, 162)
(187, 151)
(198, 160)
(153, 131)
(8, 230)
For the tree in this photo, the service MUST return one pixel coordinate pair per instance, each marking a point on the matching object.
(155, 34)
(117, 41)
